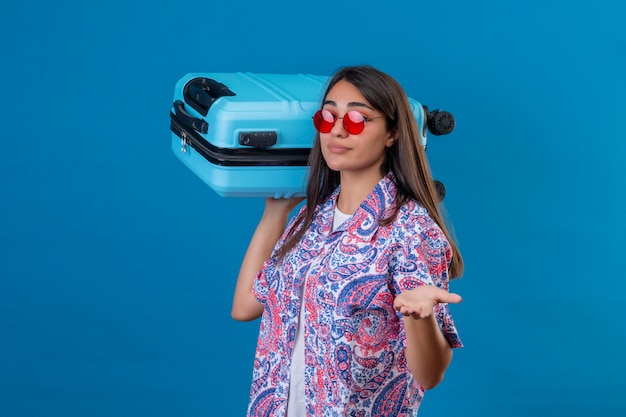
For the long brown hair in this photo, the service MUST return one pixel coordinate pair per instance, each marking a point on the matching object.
(406, 159)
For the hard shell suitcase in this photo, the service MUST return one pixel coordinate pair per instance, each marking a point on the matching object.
(249, 135)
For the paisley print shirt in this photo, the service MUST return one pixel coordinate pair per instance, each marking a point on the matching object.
(354, 340)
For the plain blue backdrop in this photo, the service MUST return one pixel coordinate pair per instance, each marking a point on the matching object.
(117, 264)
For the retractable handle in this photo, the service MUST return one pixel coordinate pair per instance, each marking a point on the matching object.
(201, 92)
(439, 122)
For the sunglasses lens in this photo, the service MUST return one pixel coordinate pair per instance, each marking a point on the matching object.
(323, 120)
(354, 122)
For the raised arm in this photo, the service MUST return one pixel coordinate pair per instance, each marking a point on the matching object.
(270, 228)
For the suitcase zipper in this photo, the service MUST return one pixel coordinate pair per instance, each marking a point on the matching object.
(183, 142)
(237, 156)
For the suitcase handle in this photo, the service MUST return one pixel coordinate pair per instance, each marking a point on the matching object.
(200, 93)
(188, 120)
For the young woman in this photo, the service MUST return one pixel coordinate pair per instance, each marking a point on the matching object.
(353, 293)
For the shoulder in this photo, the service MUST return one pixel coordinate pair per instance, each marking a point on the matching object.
(414, 223)
(412, 214)
(420, 239)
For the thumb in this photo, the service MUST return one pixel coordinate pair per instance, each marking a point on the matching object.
(449, 297)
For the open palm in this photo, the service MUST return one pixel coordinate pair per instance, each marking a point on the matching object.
(419, 302)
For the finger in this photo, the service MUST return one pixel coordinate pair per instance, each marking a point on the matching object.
(421, 313)
(455, 298)
(407, 311)
(448, 297)
(426, 312)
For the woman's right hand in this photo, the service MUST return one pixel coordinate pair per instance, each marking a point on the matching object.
(281, 205)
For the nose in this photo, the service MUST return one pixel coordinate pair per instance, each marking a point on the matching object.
(338, 129)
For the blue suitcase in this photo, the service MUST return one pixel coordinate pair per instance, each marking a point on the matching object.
(249, 135)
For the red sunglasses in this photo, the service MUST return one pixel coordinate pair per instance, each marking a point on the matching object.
(353, 121)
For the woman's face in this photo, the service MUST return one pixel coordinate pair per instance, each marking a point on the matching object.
(361, 153)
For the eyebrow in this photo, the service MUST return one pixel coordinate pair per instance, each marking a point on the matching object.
(350, 104)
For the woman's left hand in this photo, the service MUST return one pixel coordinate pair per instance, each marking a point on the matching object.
(419, 302)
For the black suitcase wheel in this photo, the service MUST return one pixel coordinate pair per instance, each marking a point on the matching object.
(440, 122)
(441, 189)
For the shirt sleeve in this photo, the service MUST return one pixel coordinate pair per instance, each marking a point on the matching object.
(260, 286)
(423, 258)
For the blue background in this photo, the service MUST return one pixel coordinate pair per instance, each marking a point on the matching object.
(117, 264)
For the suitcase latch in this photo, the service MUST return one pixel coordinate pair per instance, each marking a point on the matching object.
(258, 139)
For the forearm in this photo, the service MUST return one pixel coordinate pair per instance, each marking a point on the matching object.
(271, 226)
(428, 353)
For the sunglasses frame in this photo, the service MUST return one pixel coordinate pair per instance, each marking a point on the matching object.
(350, 126)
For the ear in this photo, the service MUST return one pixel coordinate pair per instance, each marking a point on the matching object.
(391, 140)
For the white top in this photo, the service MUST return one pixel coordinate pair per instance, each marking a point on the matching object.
(296, 406)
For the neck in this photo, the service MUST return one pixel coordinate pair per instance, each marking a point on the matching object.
(355, 187)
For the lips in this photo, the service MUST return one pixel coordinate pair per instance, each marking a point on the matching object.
(336, 148)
